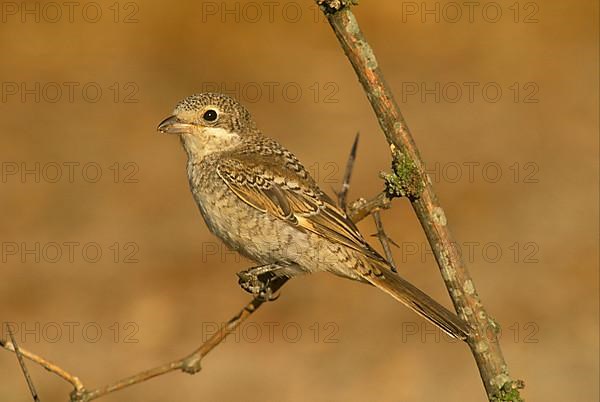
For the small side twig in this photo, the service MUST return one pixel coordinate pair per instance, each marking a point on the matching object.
(28, 379)
(51, 367)
(361, 208)
(189, 364)
(385, 240)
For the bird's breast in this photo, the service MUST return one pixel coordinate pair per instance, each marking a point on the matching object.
(242, 227)
(259, 235)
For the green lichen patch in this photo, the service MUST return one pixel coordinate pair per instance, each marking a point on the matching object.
(509, 392)
(405, 179)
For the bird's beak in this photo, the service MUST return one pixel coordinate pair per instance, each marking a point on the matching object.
(172, 125)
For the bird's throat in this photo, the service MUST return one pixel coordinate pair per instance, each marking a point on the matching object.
(208, 141)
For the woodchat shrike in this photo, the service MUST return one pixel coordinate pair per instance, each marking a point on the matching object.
(258, 198)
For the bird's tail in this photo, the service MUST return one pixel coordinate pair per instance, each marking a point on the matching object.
(408, 294)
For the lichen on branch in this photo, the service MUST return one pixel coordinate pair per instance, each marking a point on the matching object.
(509, 392)
(405, 180)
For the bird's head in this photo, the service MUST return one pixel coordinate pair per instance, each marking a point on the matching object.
(209, 122)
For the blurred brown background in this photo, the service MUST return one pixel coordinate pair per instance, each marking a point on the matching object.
(84, 170)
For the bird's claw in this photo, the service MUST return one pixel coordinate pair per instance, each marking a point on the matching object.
(257, 285)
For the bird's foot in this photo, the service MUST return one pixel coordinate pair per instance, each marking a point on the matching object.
(258, 281)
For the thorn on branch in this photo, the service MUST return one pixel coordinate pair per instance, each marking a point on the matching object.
(343, 194)
(405, 179)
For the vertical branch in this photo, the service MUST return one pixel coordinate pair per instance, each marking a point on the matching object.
(483, 342)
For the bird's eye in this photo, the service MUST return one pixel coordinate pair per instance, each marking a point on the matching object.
(210, 115)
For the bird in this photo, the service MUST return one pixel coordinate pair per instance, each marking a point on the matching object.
(258, 198)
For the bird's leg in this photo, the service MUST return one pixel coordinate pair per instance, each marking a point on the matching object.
(259, 280)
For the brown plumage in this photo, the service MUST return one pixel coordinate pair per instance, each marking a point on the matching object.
(258, 198)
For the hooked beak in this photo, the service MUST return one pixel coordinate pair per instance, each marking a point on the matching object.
(172, 125)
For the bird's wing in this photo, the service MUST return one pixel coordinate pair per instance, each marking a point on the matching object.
(286, 191)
